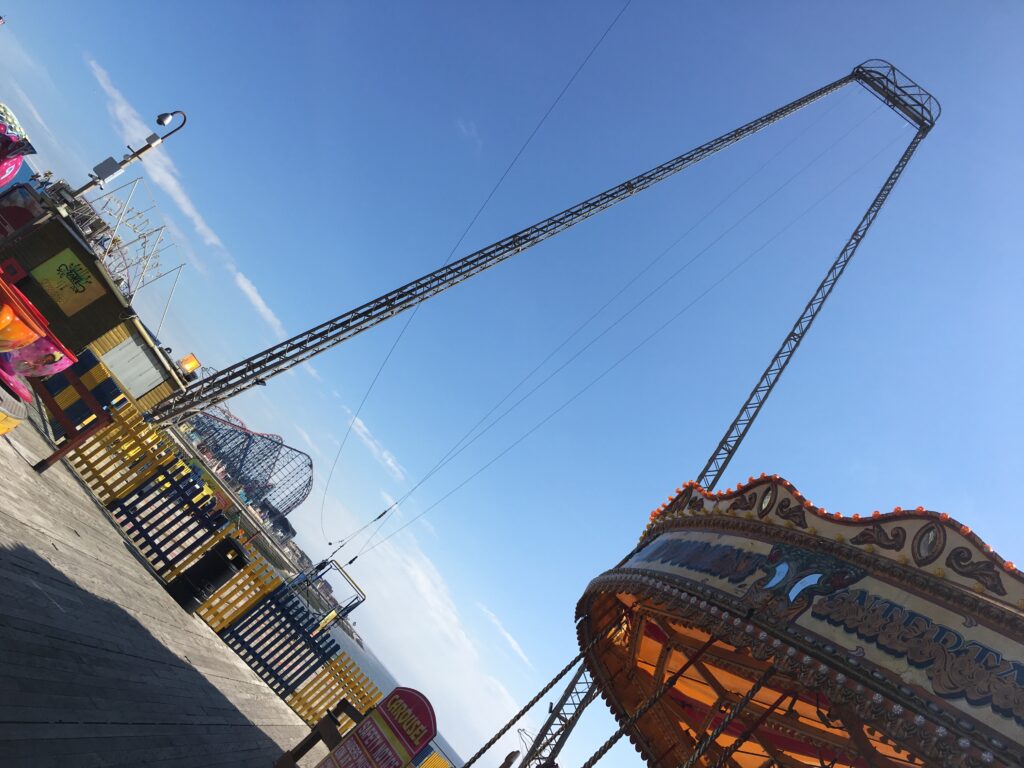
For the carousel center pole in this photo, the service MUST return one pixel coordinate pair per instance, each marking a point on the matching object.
(645, 706)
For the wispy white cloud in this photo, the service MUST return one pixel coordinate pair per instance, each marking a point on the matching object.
(162, 170)
(512, 642)
(182, 241)
(16, 58)
(429, 526)
(17, 66)
(467, 129)
(383, 456)
(313, 372)
(33, 111)
(245, 285)
(307, 439)
(158, 164)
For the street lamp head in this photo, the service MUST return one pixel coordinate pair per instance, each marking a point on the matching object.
(165, 118)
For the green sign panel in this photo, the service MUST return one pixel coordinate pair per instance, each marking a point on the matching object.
(68, 282)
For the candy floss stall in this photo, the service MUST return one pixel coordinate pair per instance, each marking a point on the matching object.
(752, 628)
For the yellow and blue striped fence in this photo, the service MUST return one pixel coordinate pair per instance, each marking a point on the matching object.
(169, 514)
(97, 378)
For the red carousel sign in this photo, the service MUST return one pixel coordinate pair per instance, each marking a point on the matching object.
(390, 735)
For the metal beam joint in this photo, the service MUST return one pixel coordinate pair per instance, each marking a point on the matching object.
(898, 91)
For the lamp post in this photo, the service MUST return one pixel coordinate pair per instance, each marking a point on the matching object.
(110, 167)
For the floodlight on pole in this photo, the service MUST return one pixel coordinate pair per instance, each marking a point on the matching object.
(111, 168)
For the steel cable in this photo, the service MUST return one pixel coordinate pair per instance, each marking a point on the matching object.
(643, 342)
(540, 694)
(705, 743)
(451, 253)
(646, 706)
(723, 759)
(461, 444)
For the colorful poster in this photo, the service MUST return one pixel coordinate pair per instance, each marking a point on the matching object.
(398, 728)
(68, 282)
(14, 171)
(9, 169)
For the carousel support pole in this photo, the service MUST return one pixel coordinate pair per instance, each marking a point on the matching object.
(540, 694)
(744, 737)
(855, 727)
(643, 708)
(704, 744)
(713, 711)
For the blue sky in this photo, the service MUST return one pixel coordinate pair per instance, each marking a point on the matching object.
(337, 150)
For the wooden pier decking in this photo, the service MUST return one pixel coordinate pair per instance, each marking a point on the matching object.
(98, 666)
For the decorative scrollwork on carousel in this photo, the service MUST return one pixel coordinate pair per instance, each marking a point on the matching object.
(744, 502)
(767, 500)
(880, 536)
(790, 513)
(982, 571)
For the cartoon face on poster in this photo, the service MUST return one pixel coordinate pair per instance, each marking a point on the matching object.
(68, 282)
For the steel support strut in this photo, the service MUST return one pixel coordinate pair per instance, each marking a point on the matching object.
(726, 449)
(660, 690)
(279, 358)
(921, 109)
(563, 718)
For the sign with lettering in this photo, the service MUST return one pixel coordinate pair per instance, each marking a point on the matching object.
(728, 562)
(960, 660)
(68, 282)
(926, 644)
(411, 718)
(390, 735)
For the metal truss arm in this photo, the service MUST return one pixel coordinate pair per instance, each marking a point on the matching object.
(287, 354)
(919, 107)
(577, 696)
(723, 454)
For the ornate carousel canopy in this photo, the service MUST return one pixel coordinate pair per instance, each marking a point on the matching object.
(751, 629)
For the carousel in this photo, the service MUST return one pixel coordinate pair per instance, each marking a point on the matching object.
(752, 629)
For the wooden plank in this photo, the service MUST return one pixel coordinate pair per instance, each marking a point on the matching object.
(101, 665)
(240, 594)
